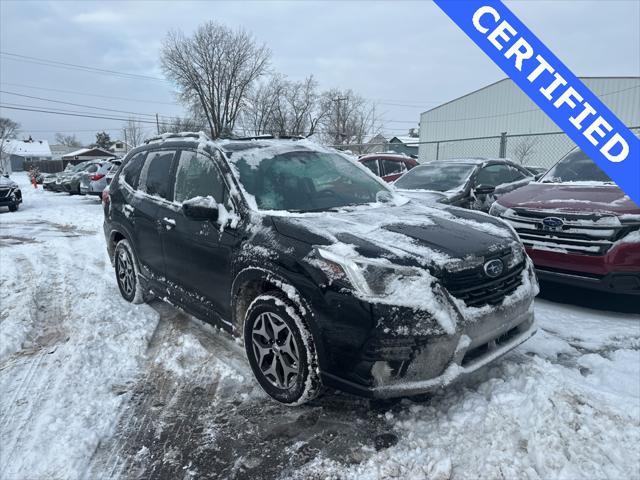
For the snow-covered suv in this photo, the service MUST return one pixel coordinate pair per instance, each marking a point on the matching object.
(326, 274)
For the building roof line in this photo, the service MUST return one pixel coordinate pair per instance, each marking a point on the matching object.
(508, 78)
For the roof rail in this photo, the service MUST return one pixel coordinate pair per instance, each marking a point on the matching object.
(179, 135)
(265, 137)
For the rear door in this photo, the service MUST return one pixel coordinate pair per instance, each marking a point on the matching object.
(198, 252)
(151, 205)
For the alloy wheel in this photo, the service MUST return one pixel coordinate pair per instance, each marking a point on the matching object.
(126, 273)
(275, 350)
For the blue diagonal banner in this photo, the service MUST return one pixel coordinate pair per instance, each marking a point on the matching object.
(552, 86)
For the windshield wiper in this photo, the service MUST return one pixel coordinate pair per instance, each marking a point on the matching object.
(312, 210)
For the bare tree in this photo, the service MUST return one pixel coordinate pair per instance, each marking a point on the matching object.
(8, 130)
(349, 118)
(183, 124)
(214, 69)
(524, 149)
(134, 133)
(67, 140)
(282, 107)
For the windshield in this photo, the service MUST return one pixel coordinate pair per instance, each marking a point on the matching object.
(305, 180)
(576, 167)
(439, 177)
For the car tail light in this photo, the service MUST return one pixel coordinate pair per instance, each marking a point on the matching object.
(106, 198)
(96, 176)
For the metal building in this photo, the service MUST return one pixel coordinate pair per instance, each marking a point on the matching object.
(500, 120)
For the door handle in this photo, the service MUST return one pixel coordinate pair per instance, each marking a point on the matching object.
(168, 223)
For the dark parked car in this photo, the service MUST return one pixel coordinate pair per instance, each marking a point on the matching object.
(578, 226)
(468, 183)
(10, 193)
(388, 166)
(328, 276)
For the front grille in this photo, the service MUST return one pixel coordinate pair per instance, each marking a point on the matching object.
(583, 234)
(490, 292)
(4, 192)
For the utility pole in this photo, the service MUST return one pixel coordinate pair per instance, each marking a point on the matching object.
(126, 145)
(339, 133)
(157, 124)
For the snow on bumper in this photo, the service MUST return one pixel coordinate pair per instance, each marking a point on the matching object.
(467, 358)
(483, 335)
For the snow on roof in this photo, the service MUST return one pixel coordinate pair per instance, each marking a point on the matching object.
(84, 151)
(33, 148)
(406, 140)
(378, 137)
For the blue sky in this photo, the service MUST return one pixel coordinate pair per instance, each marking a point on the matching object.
(405, 53)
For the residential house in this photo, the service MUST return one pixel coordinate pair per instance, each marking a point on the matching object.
(16, 152)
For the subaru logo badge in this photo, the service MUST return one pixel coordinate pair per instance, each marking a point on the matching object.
(552, 223)
(493, 268)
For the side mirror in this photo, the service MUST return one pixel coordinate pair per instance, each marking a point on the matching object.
(538, 176)
(484, 190)
(201, 208)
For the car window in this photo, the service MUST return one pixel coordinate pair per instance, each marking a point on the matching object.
(156, 173)
(372, 165)
(91, 168)
(576, 166)
(391, 167)
(132, 169)
(494, 175)
(197, 176)
(440, 177)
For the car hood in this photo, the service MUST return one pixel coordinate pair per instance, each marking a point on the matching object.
(575, 198)
(413, 234)
(7, 182)
(424, 195)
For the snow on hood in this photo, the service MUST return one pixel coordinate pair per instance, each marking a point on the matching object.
(412, 234)
(572, 197)
(7, 182)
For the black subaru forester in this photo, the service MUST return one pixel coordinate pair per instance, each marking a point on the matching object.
(328, 276)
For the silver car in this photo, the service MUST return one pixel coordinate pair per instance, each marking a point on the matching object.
(94, 183)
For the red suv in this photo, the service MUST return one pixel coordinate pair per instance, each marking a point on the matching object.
(577, 226)
(389, 166)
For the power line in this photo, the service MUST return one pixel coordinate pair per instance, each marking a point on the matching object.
(87, 94)
(53, 63)
(79, 104)
(71, 114)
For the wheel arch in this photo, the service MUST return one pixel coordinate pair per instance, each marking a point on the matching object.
(254, 281)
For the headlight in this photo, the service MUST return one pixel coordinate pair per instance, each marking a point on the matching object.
(497, 210)
(371, 278)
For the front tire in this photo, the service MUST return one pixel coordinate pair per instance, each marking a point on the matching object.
(281, 350)
(128, 273)
(13, 208)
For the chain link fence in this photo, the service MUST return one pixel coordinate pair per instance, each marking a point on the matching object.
(532, 149)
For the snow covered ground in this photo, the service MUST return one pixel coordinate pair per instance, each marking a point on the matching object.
(93, 387)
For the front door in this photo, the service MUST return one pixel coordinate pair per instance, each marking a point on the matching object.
(198, 252)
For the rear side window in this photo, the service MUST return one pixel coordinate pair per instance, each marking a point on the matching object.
(157, 172)
(197, 176)
(373, 166)
(391, 167)
(131, 171)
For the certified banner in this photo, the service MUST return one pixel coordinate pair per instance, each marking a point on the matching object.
(552, 86)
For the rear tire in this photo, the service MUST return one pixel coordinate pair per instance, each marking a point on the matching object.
(281, 350)
(128, 273)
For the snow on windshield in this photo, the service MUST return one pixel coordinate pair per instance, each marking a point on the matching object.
(301, 177)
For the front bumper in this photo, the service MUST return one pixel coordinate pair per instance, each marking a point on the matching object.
(618, 271)
(616, 282)
(396, 360)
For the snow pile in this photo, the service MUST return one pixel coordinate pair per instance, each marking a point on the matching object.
(70, 345)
